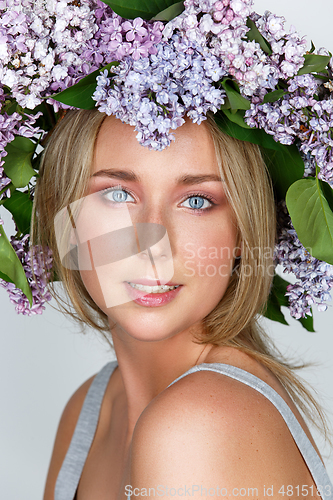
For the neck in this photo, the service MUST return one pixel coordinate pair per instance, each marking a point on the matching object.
(148, 367)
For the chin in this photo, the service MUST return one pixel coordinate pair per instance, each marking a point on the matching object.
(149, 327)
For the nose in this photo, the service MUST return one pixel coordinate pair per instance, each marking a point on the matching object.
(154, 251)
(153, 241)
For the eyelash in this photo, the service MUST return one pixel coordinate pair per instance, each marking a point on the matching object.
(193, 195)
(104, 192)
(204, 197)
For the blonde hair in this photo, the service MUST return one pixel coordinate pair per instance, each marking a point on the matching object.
(64, 174)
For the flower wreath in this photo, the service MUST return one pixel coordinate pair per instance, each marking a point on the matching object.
(150, 64)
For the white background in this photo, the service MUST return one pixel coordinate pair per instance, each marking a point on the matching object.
(44, 359)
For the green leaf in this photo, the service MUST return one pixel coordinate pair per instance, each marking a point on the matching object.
(79, 95)
(11, 266)
(284, 163)
(5, 277)
(273, 310)
(20, 206)
(285, 166)
(237, 118)
(244, 132)
(328, 193)
(170, 13)
(9, 107)
(274, 96)
(18, 161)
(146, 9)
(255, 35)
(280, 289)
(312, 217)
(48, 119)
(314, 64)
(278, 299)
(236, 100)
(307, 323)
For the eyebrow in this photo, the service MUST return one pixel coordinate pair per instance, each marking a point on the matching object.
(129, 175)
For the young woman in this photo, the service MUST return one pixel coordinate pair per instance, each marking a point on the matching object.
(198, 403)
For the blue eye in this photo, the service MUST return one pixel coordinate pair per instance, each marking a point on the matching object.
(198, 203)
(117, 195)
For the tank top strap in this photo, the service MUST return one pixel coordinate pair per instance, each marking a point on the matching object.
(311, 458)
(71, 469)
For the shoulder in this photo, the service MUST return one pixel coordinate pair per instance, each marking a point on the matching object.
(205, 396)
(66, 427)
(206, 426)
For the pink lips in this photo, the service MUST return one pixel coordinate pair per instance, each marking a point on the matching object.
(151, 299)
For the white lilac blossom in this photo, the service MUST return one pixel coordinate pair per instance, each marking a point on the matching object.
(156, 92)
(36, 268)
(314, 278)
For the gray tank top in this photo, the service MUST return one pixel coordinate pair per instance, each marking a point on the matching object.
(71, 470)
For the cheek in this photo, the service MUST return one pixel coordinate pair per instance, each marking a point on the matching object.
(93, 287)
(211, 253)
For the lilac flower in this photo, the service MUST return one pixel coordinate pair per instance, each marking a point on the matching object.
(117, 38)
(288, 48)
(299, 115)
(134, 30)
(155, 92)
(49, 45)
(221, 26)
(31, 263)
(314, 278)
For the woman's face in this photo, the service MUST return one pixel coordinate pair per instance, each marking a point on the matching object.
(155, 218)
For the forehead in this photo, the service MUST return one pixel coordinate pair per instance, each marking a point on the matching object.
(193, 149)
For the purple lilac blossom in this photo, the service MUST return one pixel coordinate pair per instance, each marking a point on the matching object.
(40, 295)
(156, 92)
(221, 27)
(314, 278)
(298, 115)
(288, 49)
(48, 45)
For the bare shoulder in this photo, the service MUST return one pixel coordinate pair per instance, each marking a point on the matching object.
(64, 435)
(208, 427)
(203, 398)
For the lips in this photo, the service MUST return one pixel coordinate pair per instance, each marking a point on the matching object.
(147, 297)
